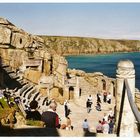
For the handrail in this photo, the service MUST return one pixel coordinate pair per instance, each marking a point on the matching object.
(121, 110)
(131, 102)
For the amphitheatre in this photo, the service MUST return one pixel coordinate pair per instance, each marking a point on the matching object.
(32, 70)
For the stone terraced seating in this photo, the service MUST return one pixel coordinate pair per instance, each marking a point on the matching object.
(13, 76)
(28, 94)
(38, 97)
(33, 96)
(25, 91)
(42, 100)
(20, 91)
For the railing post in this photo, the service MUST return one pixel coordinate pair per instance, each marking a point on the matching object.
(125, 70)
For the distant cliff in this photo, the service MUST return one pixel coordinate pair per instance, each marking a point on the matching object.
(84, 45)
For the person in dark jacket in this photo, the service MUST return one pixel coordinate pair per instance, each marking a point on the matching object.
(33, 113)
(88, 105)
(50, 117)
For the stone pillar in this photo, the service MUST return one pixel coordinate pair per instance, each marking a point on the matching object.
(125, 70)
(77, 88)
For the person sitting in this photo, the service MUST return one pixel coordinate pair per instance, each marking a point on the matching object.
(50, 117)
(33, 114)
(69, 126)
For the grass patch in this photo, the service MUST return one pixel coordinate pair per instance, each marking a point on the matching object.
(4, 112)
(34, 123)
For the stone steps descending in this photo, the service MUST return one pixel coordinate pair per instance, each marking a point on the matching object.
(25, 91)
(33, 96)
(30, 92)
(20, 91)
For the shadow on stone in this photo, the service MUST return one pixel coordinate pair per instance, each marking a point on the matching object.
(90, 134)
(138, 127)
(29, 132)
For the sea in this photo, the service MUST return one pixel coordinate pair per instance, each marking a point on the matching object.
(105, 63)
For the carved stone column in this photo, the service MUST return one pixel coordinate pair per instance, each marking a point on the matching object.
(125, 70)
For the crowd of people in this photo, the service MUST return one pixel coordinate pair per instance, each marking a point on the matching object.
(106, 99)
(105, 125)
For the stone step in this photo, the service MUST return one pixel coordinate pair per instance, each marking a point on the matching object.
(23, 89)
(4, 65)
(30, 92)
(33, 96)
(26, 91)
(13, 76)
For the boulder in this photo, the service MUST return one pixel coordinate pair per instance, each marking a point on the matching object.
(5, 34)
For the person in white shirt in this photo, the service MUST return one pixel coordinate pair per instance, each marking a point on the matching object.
(85, 126)
(89, 98)
(105, 128)
(105, 117)
(110, 114)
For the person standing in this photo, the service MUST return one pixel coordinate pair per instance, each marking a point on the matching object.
(105, 128)
(85, 126)
(88, 105)
(98, 107)
(50, 117)
(110, 114)
(99, 127)
(105, 117)
(89, 98)
(105, 96)
(111, 126)
(98, 97)
(109, 98)
(66, 108)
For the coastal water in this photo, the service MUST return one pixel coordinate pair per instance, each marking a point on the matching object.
(107, 63)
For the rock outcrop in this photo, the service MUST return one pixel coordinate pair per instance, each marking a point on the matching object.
(13, 37)
(85, 45)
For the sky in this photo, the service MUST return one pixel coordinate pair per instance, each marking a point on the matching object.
(100, 20)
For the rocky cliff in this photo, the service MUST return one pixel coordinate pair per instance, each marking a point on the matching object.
(84, 45)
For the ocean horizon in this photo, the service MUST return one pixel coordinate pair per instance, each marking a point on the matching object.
(105, 63)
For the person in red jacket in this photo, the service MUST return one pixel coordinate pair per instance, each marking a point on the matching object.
(50, 117)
